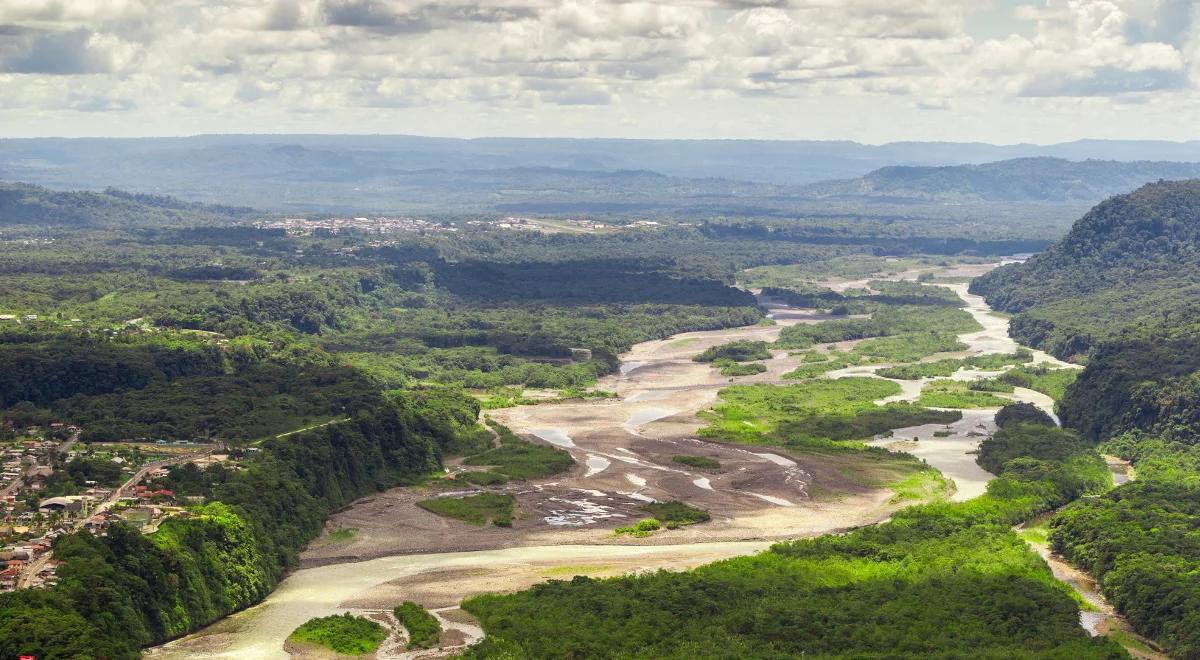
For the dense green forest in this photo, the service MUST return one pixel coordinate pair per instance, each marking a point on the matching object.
(1119, 293)
(123, 591)
(936, 580)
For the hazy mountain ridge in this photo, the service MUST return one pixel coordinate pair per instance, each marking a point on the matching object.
(1022, 179)
(25, 204)
(206, 167)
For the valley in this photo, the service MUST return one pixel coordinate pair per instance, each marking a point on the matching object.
(624, 449)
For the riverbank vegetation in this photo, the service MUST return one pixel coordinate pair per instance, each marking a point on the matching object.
(819, 413)
(515, 458)
(479, 509)
(676, 514)
(961, 394)
(736, 351)
(1138, 540)
(346, 634)
(702, 462)
(939, 579)
(424, 630)
(1117, 293)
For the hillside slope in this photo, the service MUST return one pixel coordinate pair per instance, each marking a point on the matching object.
(25, 204)
(1123, 287)
(1021, 179)
(1127, 267)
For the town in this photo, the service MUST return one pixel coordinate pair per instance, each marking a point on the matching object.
(51, 484)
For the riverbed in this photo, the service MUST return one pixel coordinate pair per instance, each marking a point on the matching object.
(623, 448)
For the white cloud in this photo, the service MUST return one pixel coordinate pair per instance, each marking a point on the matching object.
(544, 66)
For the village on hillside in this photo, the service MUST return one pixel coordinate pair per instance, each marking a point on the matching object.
(51, 485)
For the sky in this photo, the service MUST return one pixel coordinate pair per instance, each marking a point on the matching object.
(874, 71)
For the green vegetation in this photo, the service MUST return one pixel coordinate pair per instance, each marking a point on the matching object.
(958, 394)
(1139, 540)
(342, 534)
(702, 462)
(943, 368)
(424, 630)
(948, 579)
(1118, 292)
(886, 321)
(814, 413)
(641, 529)
(923, 485)
(909, 346)
(345, 633)
(732, 369)
(496, 508)
(736, 351)
(126, 590)
(520, 459)
(1022, 413)
(833, 361)
(1040, 378)
(676, 514)
(486, 478)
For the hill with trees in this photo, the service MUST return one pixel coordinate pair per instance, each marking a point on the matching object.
(24, 204)
(1019, 179)
(1120, 292)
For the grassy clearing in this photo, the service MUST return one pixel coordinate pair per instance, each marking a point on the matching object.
(702, 462)
(519, 459)
(496, 508)
(885, 321)
(909, 347)
(832, 361)
(484, 478)
(813, 413)
(424, 630)
(958, 394)
(922, 485)
(508, 397)
(736, 351)
(1051, 382)
(676, 514)
(641, 529)
(734, 369)
(344, 633)
(942, 368)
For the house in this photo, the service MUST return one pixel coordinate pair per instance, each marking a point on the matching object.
(68, 505)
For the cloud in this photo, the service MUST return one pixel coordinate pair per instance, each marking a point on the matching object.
(27, 50)
(514, 63)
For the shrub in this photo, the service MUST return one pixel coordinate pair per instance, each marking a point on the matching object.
(424, 630)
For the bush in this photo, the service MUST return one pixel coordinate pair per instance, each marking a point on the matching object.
(1022, 413)
(702, 462)
(480, 509)
(424, 630)
(676, 513)
(345, 633)
(641, 529)
(737, 351)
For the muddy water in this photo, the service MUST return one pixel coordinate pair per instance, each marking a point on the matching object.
(260, 632)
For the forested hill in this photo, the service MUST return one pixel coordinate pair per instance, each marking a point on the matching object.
(1021, 179)
(1127, 268)
(24, 204)
(1122, 291)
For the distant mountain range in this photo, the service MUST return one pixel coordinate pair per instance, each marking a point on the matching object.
(314, 173)
(1016, 180)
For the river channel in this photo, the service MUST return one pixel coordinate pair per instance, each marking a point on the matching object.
(660, 391)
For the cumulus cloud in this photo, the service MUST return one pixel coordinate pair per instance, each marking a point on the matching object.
(325, 60)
